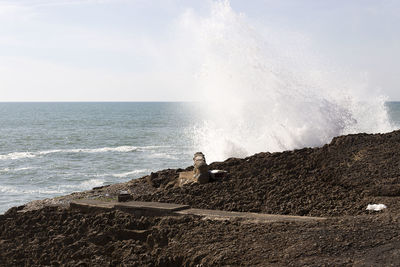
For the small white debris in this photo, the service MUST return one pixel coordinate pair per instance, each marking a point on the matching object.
(376, 207)
(216, 174)
(217, 171)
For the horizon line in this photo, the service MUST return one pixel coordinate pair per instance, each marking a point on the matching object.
(121, 101)
(100, 101)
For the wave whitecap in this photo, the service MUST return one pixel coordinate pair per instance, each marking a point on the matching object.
(91, 150)
(17, 155)
(120, 149)
(51, 190)
(125, 174)
(88, 184)
(6, 189)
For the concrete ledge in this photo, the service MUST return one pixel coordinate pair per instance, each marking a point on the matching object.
(257, 217)
(167, 209)
(91, 205)
(137, 208)
(149, 208)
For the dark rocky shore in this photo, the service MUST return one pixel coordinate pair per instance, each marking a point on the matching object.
(336, 181)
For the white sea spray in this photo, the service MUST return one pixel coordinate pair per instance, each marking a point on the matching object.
(265, 89)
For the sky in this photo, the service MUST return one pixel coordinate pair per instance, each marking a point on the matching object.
(136, 50)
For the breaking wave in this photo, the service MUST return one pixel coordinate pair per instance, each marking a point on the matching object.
(135, 172)
(120, 149)
(51, 190)
(266, 89)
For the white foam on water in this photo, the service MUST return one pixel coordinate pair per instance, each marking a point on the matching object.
(25, 168)
(22, 155)
(18, 169)
(45, 152)
(15, 190)
(134, 172)
(106, 149)
(91, 150)
(85, 185)
(17, 155)
(53, 189)
(266, 89)
(8, 189)
(89, 184)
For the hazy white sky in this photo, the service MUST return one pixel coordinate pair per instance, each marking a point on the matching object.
(133, 50)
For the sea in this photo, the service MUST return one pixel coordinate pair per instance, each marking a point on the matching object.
(53, 149)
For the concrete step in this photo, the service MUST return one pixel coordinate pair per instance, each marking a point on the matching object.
(149, 208)
(255, 217)
(136, 207)
(163, 209)
(91, 205)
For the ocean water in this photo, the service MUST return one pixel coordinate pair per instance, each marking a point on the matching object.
(52, 149)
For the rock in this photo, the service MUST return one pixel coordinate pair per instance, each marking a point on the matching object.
(186, 178)
(124, 196)
(200, 172)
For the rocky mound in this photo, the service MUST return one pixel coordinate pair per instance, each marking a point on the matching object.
(60, 237)
(337, 179)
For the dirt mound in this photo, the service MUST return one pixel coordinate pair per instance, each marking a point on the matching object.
(337, 179)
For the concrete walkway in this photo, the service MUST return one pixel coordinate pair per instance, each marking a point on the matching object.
(167, 209)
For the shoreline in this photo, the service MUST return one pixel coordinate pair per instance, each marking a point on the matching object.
(162, 185)
(337, 181)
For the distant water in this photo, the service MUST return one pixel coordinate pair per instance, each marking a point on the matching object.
(393, 109)
(52, 149)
